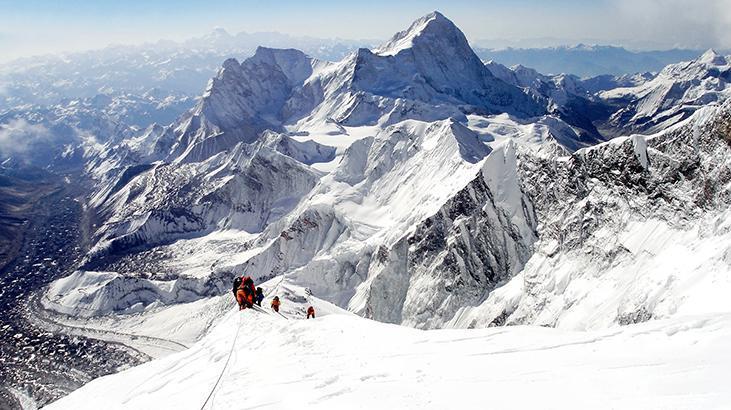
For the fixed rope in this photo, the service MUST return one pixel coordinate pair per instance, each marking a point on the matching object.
(225, 365)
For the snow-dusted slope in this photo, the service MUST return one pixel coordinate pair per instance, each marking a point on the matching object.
(673, 95)
(565, 97)
(260, 360)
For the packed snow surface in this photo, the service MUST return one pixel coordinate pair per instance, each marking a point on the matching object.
(341, 361)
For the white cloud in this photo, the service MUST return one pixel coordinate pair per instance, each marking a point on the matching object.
(18, 137)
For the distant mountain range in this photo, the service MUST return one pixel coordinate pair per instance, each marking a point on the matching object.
(587, 60)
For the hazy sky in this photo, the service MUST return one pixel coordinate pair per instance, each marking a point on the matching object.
(39, 26)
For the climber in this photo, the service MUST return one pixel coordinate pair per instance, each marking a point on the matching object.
(310, 312)
(259, 296)
(275, 304)
(245, 292)
(237, 284)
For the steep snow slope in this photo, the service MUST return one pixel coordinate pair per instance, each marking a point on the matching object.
(673, 95)
(630, 230)
(231, 190)
(262, 360)
(383, 189)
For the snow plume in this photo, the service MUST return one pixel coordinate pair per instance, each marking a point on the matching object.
(18, 137)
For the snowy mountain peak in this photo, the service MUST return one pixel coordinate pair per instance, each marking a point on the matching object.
(432, 62)
(705, 65)
(712, 57)
(431, 27)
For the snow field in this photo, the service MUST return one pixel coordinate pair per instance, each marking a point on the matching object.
(343, 361)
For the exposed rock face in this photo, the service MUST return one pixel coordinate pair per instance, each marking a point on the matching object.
(482, 236)
(618, 216)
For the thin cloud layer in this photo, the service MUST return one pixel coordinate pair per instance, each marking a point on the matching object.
(18, 137)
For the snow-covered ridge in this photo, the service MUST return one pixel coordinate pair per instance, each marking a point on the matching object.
(227, 191)
(332, 362)
(673, 95)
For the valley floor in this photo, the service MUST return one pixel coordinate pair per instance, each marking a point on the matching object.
(36, 365)
(341, 361)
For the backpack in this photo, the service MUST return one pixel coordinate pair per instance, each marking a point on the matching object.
(237, 284)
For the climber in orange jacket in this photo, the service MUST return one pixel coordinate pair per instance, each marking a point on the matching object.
(275, 303)
(245, 293)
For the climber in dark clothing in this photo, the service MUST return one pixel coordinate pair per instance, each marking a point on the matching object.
(259, 296)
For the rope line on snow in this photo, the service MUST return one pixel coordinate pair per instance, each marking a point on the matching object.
(212, 393)
(225, 365)
(226, 372)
